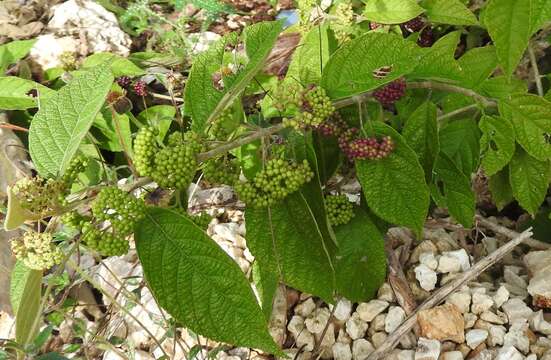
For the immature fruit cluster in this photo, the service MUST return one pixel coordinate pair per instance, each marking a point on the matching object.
(124, 82)
(77, 165)
(344, 21)
(316, 108)
(36, 250)
(217, 131)
(391, 93)
(222, 171)
(145, 148)
(339, 210)
(274, 182)
(172, 166)
(288, 94)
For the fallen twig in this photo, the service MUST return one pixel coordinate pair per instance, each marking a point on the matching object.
(443, 292)
(533, 243)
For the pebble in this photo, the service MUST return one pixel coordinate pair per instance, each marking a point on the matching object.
(343, 337)
(496, 335)
(493, 318)
(394, 318)
(318, 320)
(470, 320)
(516, 309)
(428, 259)
(305, 308)
(509, 353)
(510, 274)
(452, 355)
(426, 276)
(427, 349)
(442, 323)
(481, 303)
(361, 348)
(448, 264)
(305, 339)
(501, 296)
(343, 310)
(461, 299)
(378, 339)
(385, 293)
(462, 256)
(423, 247)
(408, 341)
(405, 355)
(540, 288)
(368, 311)
(476, 337)
(539, 324)
(341, 351)
(356, 327)
(296, 325)
(517, 336)
(378, 324)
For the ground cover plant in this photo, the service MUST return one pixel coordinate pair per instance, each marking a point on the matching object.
(418, 101)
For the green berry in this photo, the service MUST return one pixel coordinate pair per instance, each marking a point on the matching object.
(74, 220)
(222, 171)
(36, 250)
(145, 148)
(339, 210)
(119, 208)
(105, 242)
(76, 166)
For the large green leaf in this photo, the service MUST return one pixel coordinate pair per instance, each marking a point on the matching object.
(391, 11)
(25, 295)
(500, 87)
(529, 179)
(287, 240)
(455, 189)
(500, 188)
(421, 134)
(395, 187)
(530, 115)
(459, 140)
(357, 65)
(497, 143)
(508, 23)
(14, 90)
(114, 132)
(13, 51)
(438, 61)
(540, 13)
(119, 66)
(360, 264)
(452, 12)
(477, 64)
(310, 56)
(64, 119)
(203, 102)
(198, 283)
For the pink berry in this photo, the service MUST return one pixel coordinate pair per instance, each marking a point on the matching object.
(140, 88)
(391, 93)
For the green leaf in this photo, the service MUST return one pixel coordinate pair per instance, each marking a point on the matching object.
(395, 187)
(286, 239)
(508, 23)
(109, 137)
(25, 295)
(310, 56)
(14, 51)
(530, 115)
(459, 140)
(119, 65)
(529, 179)
(266, 283)
(13, 93)
(160, 116)
(64, 119)
(500, 188)
(421, 134)
(477, 64)
(452, 12)
(328, 156)
(499, 87)
(52, 356)
(457, 190)
(197, 283)
(540, 13)
(360, 264)
(391, 11)
(16, 214)
(497, 143)
(203, 102)
(438, 61)
(355, 67)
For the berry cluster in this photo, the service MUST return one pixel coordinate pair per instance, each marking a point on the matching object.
(333, 126)
(77, 165)
(68, 61)
(36, 250)
(145, 148)
(274, 182)
(414, 25)
(74, 220)
(426, 38)
(344, 21)
(104, 242)
(124, 82)
(217, 131)
(369, 148)
(39, 196)
(391, 93)
(287, 95)
(222, 171)
(339, 210)
(316, 108)
(121, 209)
(139, 88)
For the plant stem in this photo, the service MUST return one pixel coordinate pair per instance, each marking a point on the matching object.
(535, 70)
(452, 88)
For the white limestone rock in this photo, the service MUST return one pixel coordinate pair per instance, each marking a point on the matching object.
(343, 310)
(428, 259)
(317, 321)
(361, 348)
(426, 277)
(509, 353)
(539, 324)
(501, 296)
(461, 299)
(368, 311)
(448, 264)
(341, 351)
(481, 303)
(476, 337)
(305, 308)
(516, 309)
(356, 327)
(427, 349)
(394, 318)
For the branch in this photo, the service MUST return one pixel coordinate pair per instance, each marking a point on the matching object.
(535, 70)
(498, 229)
(443, 292)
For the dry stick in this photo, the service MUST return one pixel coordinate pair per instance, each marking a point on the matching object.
(441, 294)
(535, 70)
(533, 243)
(398, 282)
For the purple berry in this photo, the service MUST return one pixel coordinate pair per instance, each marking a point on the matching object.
(426, 38)
(124, 82)
(391, 93)
(414, 25)
(139, 88)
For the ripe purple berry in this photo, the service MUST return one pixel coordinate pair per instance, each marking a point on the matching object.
(391, 93)
(139, 88)
(414, 25)
(124, 82)
(426, 38)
